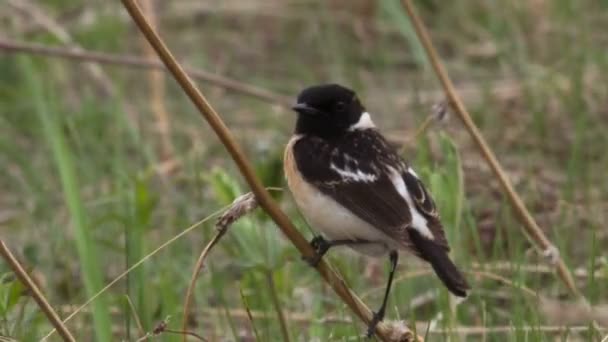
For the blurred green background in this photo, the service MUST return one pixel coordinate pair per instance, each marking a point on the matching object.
(101, 164)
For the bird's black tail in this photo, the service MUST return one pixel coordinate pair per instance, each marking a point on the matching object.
(438, 257)
(450, 275)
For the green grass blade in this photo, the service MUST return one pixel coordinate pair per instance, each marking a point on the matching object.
(62, 155)
(140, 213)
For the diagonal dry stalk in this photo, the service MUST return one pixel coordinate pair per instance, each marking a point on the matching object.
(384, 331)
(44, 305)
(530, 226)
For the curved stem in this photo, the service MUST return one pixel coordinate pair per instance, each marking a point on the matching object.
(44, 305)
(528, 223)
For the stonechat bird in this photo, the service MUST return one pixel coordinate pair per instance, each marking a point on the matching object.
(350, 184)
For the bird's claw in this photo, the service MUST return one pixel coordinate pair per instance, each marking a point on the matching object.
(317, 243)
(320, 245)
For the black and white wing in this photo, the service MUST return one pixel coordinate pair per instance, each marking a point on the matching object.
(365, 175)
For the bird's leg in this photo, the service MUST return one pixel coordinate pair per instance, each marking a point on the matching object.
(379, 315)
(318, 242)
(321, 246)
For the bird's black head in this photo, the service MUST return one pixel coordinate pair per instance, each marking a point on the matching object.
(328, 111)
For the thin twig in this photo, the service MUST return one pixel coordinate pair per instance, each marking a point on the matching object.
(438, 114)
(239, 207)
(140, 327)
(246, 169)
(579, 272)
(296, 317)
(479, 273)
(530, 226)
(249, 315)
(479, 330)
(142, 63)
(134, 266)
(302, 318)
(35, 292)
(186, 333)
(162, 327)
(157, 91)
(39, 15)
(277, 306)
(506, 281)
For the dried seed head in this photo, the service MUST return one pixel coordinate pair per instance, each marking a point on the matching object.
(240, 207)
(398, 331)
(440, 111)
(160, 328)
(551, 253)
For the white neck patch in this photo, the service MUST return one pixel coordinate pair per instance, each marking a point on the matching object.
(365, 122)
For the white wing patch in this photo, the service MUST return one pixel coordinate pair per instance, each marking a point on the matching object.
(355, 176)
(418, 221)
(410, 170)
(350, 159)
(365, 122)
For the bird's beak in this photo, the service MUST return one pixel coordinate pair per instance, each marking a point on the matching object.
(303, 108)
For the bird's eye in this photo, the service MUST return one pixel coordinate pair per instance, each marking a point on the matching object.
(340, 106)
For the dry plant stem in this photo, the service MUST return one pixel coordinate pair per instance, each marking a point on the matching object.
(478, 330)
(186, 333)
(240, 207)
(419, 132)
(140, 327)
(142, 63)
(265, 95)
(477, 273)
(298, 318)
(157, 90)
(134, 266)
(295, 317)
(422, 128)
(531, 227)
(277, 307)
(262, 196)
(44, 305)
(161, 328)
(197, 269)
(504, 280)
(249, 315)
(39, 15)
(540, 269)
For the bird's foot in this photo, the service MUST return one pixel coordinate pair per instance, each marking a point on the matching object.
(320, 245)
(377, 318)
